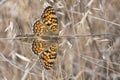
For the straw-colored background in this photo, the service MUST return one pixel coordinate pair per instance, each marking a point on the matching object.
(79, 58)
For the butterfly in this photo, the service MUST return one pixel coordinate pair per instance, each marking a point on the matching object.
(45, 37)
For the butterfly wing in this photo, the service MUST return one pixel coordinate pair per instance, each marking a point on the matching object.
(39, 28)
(49, 18)
(39, 46)
(49, 56)
(47, 51)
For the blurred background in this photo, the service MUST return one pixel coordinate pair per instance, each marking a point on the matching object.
(89, 48)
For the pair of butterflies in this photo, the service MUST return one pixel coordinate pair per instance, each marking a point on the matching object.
(45, 43)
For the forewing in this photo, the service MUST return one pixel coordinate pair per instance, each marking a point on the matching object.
(49, 18)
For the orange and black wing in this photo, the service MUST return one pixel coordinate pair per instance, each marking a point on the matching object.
(39, 46)
(39, 28)
(49, 55)
(47, 52)
(49, 18)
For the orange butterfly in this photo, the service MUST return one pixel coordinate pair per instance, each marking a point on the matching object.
(46, 31)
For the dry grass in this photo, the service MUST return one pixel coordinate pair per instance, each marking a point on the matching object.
(91, 52)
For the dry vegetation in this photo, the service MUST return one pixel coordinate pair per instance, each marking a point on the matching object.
(90, 40)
